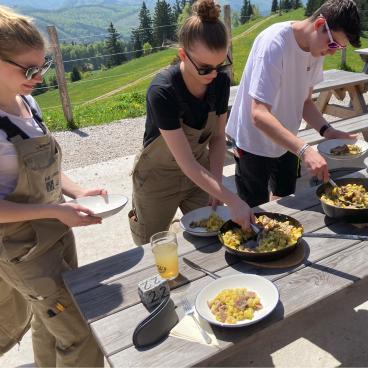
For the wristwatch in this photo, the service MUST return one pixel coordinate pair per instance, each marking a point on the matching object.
(324, 128)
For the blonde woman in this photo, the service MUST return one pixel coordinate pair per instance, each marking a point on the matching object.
(183, 152)
(36, 242)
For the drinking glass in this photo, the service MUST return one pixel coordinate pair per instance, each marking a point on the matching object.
(165, 249)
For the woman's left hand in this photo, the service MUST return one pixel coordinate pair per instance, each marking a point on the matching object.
(91, 192)
(214, 202)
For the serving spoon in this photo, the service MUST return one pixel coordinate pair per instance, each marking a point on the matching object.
(332, 182)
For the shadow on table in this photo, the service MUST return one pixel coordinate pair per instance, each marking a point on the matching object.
(92, 274)
(331, 333)
(203, 244)
(91, 306)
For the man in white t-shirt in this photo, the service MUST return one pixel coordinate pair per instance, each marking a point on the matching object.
(275, 94)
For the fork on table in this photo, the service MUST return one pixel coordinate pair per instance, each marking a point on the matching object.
(189, 311)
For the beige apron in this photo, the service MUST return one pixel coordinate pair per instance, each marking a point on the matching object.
(33, 255)
(159, 185)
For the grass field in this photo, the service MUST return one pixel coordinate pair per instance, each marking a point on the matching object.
(136, 75)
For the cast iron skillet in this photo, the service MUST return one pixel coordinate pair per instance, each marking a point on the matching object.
(357, 215)
(255, 256)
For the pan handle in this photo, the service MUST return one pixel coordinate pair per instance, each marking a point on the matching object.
(336, 236)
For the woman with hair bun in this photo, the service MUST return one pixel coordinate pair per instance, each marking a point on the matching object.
(36, 241)
(180, 165)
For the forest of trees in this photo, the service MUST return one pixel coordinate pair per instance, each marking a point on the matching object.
(286, 5)
(154, 32)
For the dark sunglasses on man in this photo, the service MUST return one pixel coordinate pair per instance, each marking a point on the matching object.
(209, 69)
(31, 71)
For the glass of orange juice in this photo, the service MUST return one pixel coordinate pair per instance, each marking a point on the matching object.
(165, 249)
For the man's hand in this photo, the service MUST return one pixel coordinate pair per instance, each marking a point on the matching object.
(316, 164)
(332, 133)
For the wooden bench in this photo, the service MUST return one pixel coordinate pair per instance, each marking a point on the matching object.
(363, 53)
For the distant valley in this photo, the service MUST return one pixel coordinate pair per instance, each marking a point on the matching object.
(80, 19)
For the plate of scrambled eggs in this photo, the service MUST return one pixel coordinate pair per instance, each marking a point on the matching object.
(237, 300)
(205, 221)
(342, 149)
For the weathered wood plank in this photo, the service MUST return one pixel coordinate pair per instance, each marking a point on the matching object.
(109, 331)
(122, 292)
(109, 269)
(298, 291)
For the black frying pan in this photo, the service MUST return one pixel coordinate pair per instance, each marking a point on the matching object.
(357, 215)
(257, 256)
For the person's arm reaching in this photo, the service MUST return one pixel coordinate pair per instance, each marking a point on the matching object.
(217, 149)
(180, 148)
(264, 120)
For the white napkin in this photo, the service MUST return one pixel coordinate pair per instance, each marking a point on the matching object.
(187, 329)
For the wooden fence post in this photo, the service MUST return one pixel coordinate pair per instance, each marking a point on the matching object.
(227, 21)
(343, 57)
(60, 76)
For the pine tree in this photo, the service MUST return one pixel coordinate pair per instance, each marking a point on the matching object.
(274, 6)
(145, 25)
(312, 6)
(296, 4)
(287, 5)
(113, 46)
(136, 42)
(75, 75)
(164, 24)
(249, 10)
(244, 12)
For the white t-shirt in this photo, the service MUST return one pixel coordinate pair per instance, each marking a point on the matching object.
(279, 73)
(8, 155)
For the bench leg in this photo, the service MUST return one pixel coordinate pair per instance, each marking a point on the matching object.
(357, 100)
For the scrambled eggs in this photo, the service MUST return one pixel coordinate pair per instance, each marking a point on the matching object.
(233, 305)
(213, 223)
(347, 196)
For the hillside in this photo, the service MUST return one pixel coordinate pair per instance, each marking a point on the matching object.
(76, 19)
(131, 79)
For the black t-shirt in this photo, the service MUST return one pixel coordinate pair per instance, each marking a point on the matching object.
(164, 108)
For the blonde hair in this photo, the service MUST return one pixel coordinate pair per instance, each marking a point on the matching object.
(17, 34)
(204, 26)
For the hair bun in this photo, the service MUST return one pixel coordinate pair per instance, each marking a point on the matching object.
(207, 10)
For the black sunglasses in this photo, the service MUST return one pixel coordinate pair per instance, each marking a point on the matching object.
(209, 69)
(31, 71)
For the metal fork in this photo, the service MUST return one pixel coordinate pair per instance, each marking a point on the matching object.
(189, 311)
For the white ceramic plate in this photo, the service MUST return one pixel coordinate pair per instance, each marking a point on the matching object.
(366, 163)
(200, 214)
(264, 288)
(103, 206)
(325, 148)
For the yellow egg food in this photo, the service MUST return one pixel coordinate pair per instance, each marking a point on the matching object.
(212, 223)
(346, 149)
(277, 235)
(347, 196)
(233, 305)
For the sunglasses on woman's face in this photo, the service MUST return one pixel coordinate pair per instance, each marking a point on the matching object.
(332, 45)
(209, 69)
(31, 71)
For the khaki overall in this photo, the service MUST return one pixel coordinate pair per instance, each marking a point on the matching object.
(33, 255)
(159, 185)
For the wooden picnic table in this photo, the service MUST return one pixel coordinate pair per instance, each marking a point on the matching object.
(106, 291)
(337, 83)
(363, 53)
